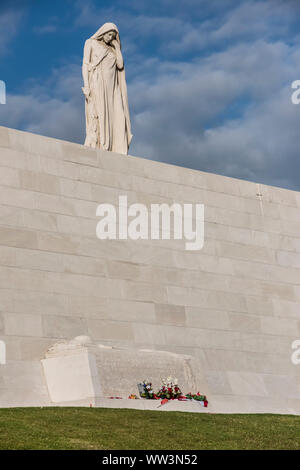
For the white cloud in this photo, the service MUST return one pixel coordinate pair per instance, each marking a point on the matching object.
(54, 108)
(48, 28)
(179, 117)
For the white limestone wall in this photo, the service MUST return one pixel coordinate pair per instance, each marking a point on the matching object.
(234, 305)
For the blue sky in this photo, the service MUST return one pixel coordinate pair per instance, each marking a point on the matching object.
(209, 81)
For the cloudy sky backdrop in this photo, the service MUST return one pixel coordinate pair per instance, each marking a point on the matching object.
(209, 81)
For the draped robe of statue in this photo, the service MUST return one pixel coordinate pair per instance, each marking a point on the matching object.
(106, 108)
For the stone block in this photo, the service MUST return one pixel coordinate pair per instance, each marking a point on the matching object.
(145, 292)
(16, 159)
(286, 309)
(282, 386)
(109, 330)
(248, 252)
(280, 326)
(30, 301)
(9, 177)
(18, 237)
(247, 236)
(16, 324)
(207, 318)
(242, 322)
(88, 306)
(20, 278)
(58, 326)
(24, 374)
(4, 137)
(39, 260)
(7, 256)
(247, 384)
(286, 258)
(34, 348)
(17, 197)
(34, 144)
(260, 305)
(83, 265)
(78, 370)
(123, 270)
(40, 220)
(64, 385)
(268, 344)
(153, 334)
(71, 225)
(57, 242)
(130, 311)
(218, 382)
(54, 203)
(6, 300)
(75, 189)
(1, 324)
(40, 182)
(170, 314)
(79, 154)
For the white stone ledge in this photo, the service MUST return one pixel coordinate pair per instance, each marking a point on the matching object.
(45, 146)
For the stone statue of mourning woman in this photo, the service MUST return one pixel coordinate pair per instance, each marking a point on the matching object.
(106, 103)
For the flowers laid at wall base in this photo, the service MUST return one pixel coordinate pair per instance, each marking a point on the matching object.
(197, 397)
(169, 390)
(146, 390)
